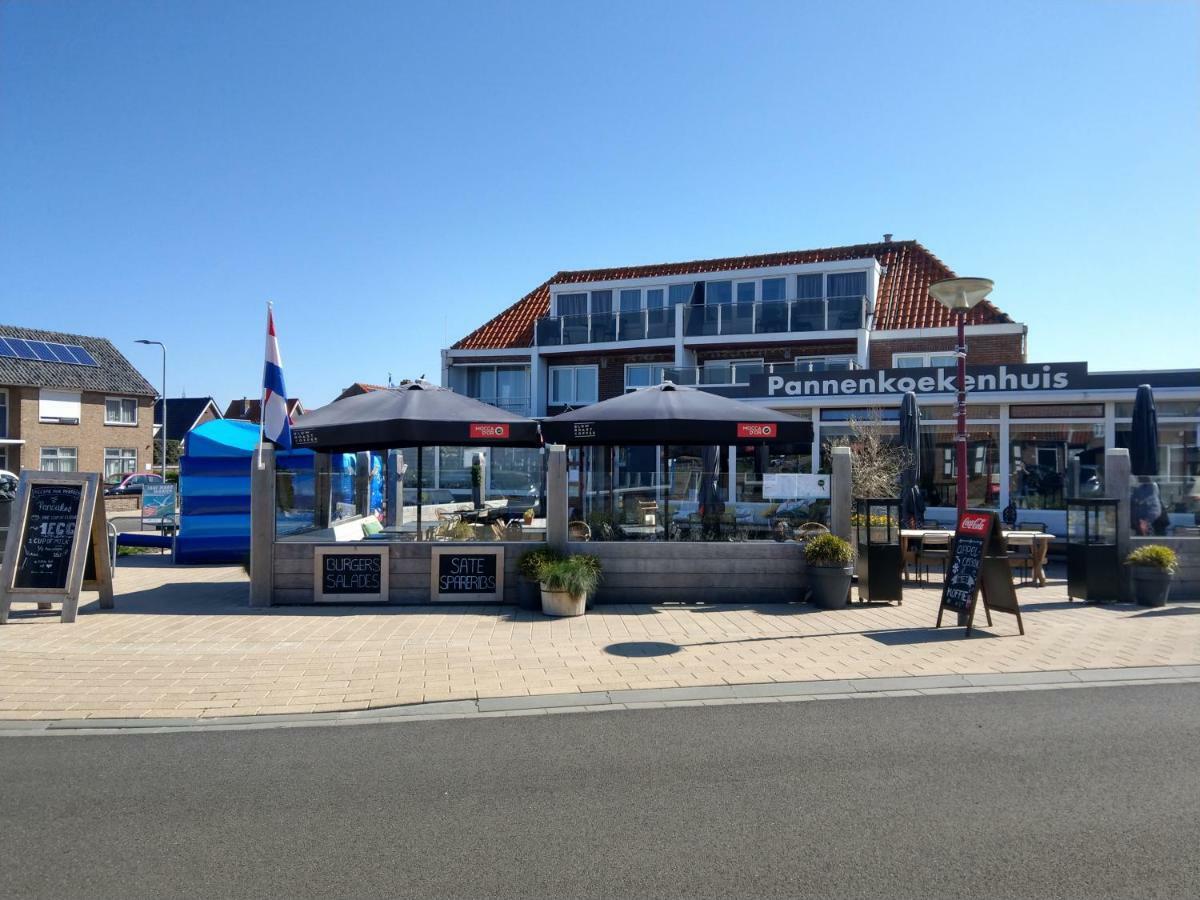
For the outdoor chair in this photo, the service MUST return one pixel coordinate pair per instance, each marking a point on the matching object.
(578, 531)
(935, 548)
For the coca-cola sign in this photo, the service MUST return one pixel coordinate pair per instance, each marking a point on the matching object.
(975, 523)
(483, 431)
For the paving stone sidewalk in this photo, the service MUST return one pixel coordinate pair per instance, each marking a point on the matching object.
(182, 643)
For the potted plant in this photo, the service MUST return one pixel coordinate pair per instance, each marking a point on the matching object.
(1153, 568)
(830, 567)
(566, 584)
(529, 568)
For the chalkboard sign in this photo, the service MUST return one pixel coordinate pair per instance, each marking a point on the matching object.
(460, 574)
(57, 544)
(350, 574)
(48, 537)
(979, 565)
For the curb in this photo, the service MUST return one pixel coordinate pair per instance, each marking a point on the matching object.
(606, 701)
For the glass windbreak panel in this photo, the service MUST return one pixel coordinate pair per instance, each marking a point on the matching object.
(738, 319)
(575, 329)
(295, 495)
(632, 325)
(808, 315)
(660, 323)
(810, 287)
(654, 298)
(845, 313)
(1056, 411)
(680, 293)
(745, 292)
(549, 332)
(701, 320)
(1173, 408)
(718, 292)
(939, 469)
(717, 373)
(1169, 502)
(847, 284)
(631, 300)
(572, 304)
(1051, 462)
(341, 486)
(772, 318)
(604, 327)
(774, 492)
(774, 290)
(602, 301)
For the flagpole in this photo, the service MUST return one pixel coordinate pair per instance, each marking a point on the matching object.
(262, 402)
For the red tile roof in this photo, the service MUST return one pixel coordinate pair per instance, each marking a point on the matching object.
(903, 302)
(247, 409)
(360, 387)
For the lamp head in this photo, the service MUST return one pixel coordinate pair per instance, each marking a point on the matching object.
(960, 293)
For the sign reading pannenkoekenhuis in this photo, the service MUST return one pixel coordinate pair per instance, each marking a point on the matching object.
(980, 379)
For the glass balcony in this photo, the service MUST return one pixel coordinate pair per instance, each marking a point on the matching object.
(518, 405)
(740, 373)
(713, 320)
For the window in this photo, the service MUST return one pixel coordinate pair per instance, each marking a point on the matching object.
(58, 407)
(654, 298)
(745, 292)
(681, 293)
(59, 459)
(924, 360)
(631, 300)
(644, 375)
(118, 460)
(809, 287)
(573, 385)
(504, 386)
(601, 302)
(847, 284)
(719, 292)
(572, 304)
(774, 289)
(120, 411)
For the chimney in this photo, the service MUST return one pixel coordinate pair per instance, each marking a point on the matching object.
(887, 238)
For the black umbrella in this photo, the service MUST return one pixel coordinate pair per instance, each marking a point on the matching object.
(1143, 439)
(413, 415)
(912, 503)
(669, 414)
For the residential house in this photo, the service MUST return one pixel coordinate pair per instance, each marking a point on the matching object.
(184, 414)
(250, 410)
(71, 402)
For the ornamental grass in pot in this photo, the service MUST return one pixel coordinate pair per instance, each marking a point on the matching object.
(566, 584)
(1153, 569)
(830, 567)
(529, 568)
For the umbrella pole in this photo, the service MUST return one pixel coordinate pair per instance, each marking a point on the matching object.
(420, 477)
(666, 451)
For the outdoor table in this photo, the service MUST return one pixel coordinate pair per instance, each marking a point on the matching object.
(907, 535)
(642, 530)
(1039, 541)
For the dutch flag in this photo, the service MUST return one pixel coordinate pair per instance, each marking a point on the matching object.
(276, 426)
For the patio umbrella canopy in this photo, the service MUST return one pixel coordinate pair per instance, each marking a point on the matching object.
(1143, 439)
(669, 414)
(912, 504)
(413, 415)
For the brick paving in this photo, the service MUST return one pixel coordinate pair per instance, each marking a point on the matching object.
(183, 643)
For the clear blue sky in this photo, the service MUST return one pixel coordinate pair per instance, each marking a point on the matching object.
(392, 175)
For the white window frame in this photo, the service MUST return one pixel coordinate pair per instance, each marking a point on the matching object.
(59, 455)
(925, 359)
(120, 454)
(619, 304)
(660, 366)
(573, 400)
(118, 423)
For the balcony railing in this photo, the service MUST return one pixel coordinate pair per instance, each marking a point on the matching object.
(713, 320)
(518, 405)
(741, 373)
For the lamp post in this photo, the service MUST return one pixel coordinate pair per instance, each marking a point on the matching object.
(959, 295)
(163, 429)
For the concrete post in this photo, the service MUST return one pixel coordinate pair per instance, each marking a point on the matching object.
(262, 526)
(1117, 486)
(362, 483)
(556, 498)
(395, 488)
(322, 489)
(1071, 490)
(841, 493)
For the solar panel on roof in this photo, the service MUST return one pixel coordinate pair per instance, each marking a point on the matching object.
(46, 351)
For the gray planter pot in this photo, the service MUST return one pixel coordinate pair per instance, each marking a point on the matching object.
(830, 585)
(1151, 586)
(562, 603)
(529, 593)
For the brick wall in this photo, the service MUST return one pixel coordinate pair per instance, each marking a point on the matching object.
(90, 437)
(982, 349)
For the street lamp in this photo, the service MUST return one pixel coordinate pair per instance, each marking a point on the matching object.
(164, 405)
(959, 295)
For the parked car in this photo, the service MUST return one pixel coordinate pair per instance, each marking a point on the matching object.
(125, 484)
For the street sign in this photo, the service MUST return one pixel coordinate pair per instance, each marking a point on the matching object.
(57, 544)
(979, 568)
(158, 504)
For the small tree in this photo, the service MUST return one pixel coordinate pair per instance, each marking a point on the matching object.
(876, 461)
(174, 451)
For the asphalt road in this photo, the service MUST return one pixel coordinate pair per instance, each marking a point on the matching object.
(1069, 793)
